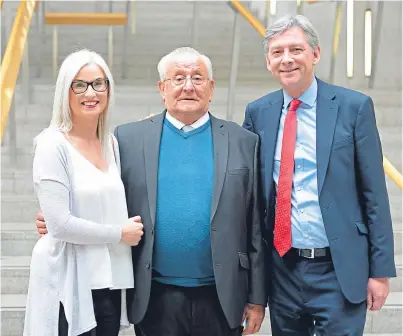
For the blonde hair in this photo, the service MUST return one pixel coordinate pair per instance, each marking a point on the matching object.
(61, 115)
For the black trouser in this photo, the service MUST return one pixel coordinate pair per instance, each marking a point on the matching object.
(184, 311)
(107, 306)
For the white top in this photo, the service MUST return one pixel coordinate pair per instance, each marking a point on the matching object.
(179, 124)
(84, 210)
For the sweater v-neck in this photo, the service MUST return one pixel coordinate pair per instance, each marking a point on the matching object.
(187, 134)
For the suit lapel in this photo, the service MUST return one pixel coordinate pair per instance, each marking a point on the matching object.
(272, 113)
(326, 117)
(220, 143)
(152, 139)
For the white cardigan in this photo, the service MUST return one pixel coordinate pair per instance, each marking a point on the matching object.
(84, 209)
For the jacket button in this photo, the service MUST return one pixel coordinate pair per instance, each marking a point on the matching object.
(148, 265)
(152, 231)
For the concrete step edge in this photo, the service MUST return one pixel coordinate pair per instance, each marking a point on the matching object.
(28, 227)
(16, 301)
(23, 262)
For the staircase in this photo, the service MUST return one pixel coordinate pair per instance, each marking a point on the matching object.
(157, 33)
(19, 203)
(161, 26)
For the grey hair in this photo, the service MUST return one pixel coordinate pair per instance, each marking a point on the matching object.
(180, 55)
(289, 21)
(61, 115)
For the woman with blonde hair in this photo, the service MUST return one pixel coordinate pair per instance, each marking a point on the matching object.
(81, 269)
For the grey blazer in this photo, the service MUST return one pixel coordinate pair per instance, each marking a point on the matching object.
(237, 247)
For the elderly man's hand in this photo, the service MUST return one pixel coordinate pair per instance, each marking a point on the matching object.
(148, 117)
(254, 315)
(40, 224)
(377, 292)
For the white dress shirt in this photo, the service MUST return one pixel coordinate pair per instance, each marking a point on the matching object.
(179, 124)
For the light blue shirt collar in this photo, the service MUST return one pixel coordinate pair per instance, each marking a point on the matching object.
(308, 97)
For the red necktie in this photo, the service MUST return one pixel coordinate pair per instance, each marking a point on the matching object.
(282, 225)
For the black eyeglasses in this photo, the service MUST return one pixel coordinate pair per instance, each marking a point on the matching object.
(99, 85)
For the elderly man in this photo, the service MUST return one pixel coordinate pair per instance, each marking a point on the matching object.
(193, 178)
(328, 219)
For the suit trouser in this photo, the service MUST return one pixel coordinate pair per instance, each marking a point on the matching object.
(107, 306)
(184, 311)
(306, 299)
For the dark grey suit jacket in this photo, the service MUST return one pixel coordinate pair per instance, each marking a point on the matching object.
(237, 247)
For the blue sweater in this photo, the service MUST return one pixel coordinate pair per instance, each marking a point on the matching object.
(182, 247)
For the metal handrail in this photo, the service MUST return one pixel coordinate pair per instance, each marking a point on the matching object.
(241, 9)
(390, 170)
(11, 63)
(100, 19)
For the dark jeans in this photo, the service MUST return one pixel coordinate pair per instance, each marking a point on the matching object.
(184, 311)
(107, 305)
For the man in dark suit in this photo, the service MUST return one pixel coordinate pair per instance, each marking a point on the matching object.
(199, 269)
(327, 220)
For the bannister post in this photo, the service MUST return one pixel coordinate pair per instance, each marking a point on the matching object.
(194, 26)
(336, 39)
(4, 32)
(133, 17)
(267, 14)
(375, 43)
(8, 23)
(55, 51)
(25, 78)
(299, 7)
(236, 46)
(40, 18)
(125, 42)
(110, 47)
(12, 135)
(110, 40)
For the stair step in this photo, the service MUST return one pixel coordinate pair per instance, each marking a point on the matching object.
(145, 99)
(13, 307)
(18, 238)
(27, 204)
(19, 182)
(28, 129)
(15, 275)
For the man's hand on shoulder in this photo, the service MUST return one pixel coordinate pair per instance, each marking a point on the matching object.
(148, 117)
(254, 315)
